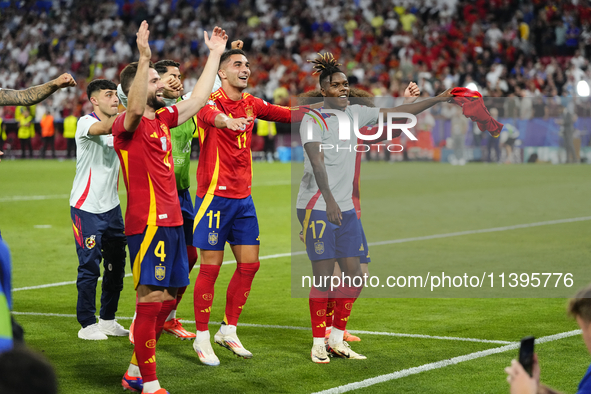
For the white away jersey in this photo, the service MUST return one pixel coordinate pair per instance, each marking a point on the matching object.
(338, 160)
(97, 170)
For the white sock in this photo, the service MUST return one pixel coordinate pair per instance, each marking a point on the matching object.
(228, 329)
(336, 336)
(171, 315)
(134, 371)
(319, 341)
(202, 336)
(151, 387)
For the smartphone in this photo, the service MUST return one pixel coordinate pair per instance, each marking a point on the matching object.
(526, 354)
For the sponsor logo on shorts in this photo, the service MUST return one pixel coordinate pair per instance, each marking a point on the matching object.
(321, 312)
(319, 247)
(321, 325)
(151, 343)
(212, 238)
(361, 248)
(90, 242)
(207, 296)
(160, 272)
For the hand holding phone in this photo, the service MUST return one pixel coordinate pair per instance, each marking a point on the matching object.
(526, 354)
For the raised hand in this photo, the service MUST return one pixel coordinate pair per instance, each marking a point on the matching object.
(238, 123)
(218, 40)
(143, 34)
(172, 83)
(412, 90)
(238, 44)
(64, 81)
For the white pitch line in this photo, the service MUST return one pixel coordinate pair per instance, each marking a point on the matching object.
(486, 230)
(33, 198)
(439, 364)
(393, 241)
(121, 192)
(391, 334)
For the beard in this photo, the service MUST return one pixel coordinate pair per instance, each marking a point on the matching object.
(155, 103)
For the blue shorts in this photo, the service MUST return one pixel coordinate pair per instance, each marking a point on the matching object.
(325, 240)
(159, 257)
(220, 220)
(365, 258)
(188, 215)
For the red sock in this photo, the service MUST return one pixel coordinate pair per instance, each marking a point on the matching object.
(167, 306)
(203, 294)
(238, 290)
(318, 300)
(192, 254)
(332, 302)
(145, 338)
(346, 296)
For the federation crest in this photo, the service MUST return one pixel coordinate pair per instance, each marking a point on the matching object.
(319, 247)
(212, 238)
(160, 272)
(249, 111)
(164, 128)
(90, 242)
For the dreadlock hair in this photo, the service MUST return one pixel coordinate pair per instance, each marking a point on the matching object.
(325, 65)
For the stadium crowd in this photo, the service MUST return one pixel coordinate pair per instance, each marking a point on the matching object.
(526, 48)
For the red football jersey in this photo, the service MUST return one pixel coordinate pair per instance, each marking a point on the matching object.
(225, 160)
(148, 171)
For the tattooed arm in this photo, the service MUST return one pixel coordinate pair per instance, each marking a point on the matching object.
(35, 94)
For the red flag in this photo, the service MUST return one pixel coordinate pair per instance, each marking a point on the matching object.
(473, 108)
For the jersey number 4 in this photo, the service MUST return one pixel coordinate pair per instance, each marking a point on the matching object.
(159, 251)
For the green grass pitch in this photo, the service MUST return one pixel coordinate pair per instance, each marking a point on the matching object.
(424, 199)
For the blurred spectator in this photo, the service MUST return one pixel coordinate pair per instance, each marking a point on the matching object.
(520, 381)
(492, 142)
(459, 128)
(23, 372)
(268, 131)
(48, 134)
(26, 131)
(70, 123)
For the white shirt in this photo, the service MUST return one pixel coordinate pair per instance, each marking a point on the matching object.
(340, 164)
(97, 170)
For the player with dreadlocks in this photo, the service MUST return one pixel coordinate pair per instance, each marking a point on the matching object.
(325, 207)
(411, 93)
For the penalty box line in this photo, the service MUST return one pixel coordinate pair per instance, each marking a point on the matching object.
(390, 242)
(391, 334)
(441, 364)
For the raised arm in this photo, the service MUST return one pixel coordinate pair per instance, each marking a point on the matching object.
(333, 212)
(35, 94)
(416, 108)
(223, 121)
(103, 127)
(138, 91)
(188, 108)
